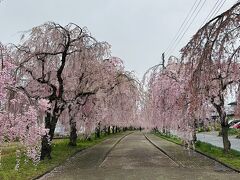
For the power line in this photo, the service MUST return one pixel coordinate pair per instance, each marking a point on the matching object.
(219, 8)
(182, 26)
(192, 20)
(213, 10)
(210, 13)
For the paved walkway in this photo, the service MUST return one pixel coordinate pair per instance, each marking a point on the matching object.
(214, 139)
(136, 158)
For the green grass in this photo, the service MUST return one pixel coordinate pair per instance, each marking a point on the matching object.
(60, 152)
(232, 158)
(233, 131)
(170, 137)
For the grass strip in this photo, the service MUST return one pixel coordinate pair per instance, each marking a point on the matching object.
(170, 138)
(60, 152)
(231, 159)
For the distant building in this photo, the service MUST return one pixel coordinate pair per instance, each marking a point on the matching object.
(60, 129)
(231, 110)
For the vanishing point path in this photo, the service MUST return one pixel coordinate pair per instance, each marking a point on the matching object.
(136, 156)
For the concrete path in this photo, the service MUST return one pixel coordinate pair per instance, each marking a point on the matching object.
(214, 139)
(136, 158)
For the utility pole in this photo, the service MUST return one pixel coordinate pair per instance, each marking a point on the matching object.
(163, 60)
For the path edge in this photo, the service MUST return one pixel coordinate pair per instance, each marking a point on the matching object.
(163, 151)
(210, 157)
(115, 144)
(48, 171)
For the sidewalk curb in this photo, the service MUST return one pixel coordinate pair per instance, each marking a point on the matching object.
(164, 152)
(48, 171)
(210, 157)
(115, 144)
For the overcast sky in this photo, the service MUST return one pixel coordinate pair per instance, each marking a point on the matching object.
(138, 30)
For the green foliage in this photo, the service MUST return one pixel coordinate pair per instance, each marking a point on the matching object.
(204, 129)
(218, 127)
(169, 137)
(233, 131)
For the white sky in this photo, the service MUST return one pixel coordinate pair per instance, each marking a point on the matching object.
(138, 30)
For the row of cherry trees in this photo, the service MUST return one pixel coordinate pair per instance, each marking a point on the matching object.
(62, 73)
(167, 100)
(191, 89)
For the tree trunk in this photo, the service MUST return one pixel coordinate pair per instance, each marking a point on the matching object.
(105, 130)
(113, 128)
(73, 127)
(194, 131)
(226, 142)
(73, 134)
(224, 123)
(194, 136)
(164, 130)
(98, 131)
(46, 149)
(109, 130)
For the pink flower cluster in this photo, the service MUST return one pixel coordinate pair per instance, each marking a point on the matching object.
(19, 115)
